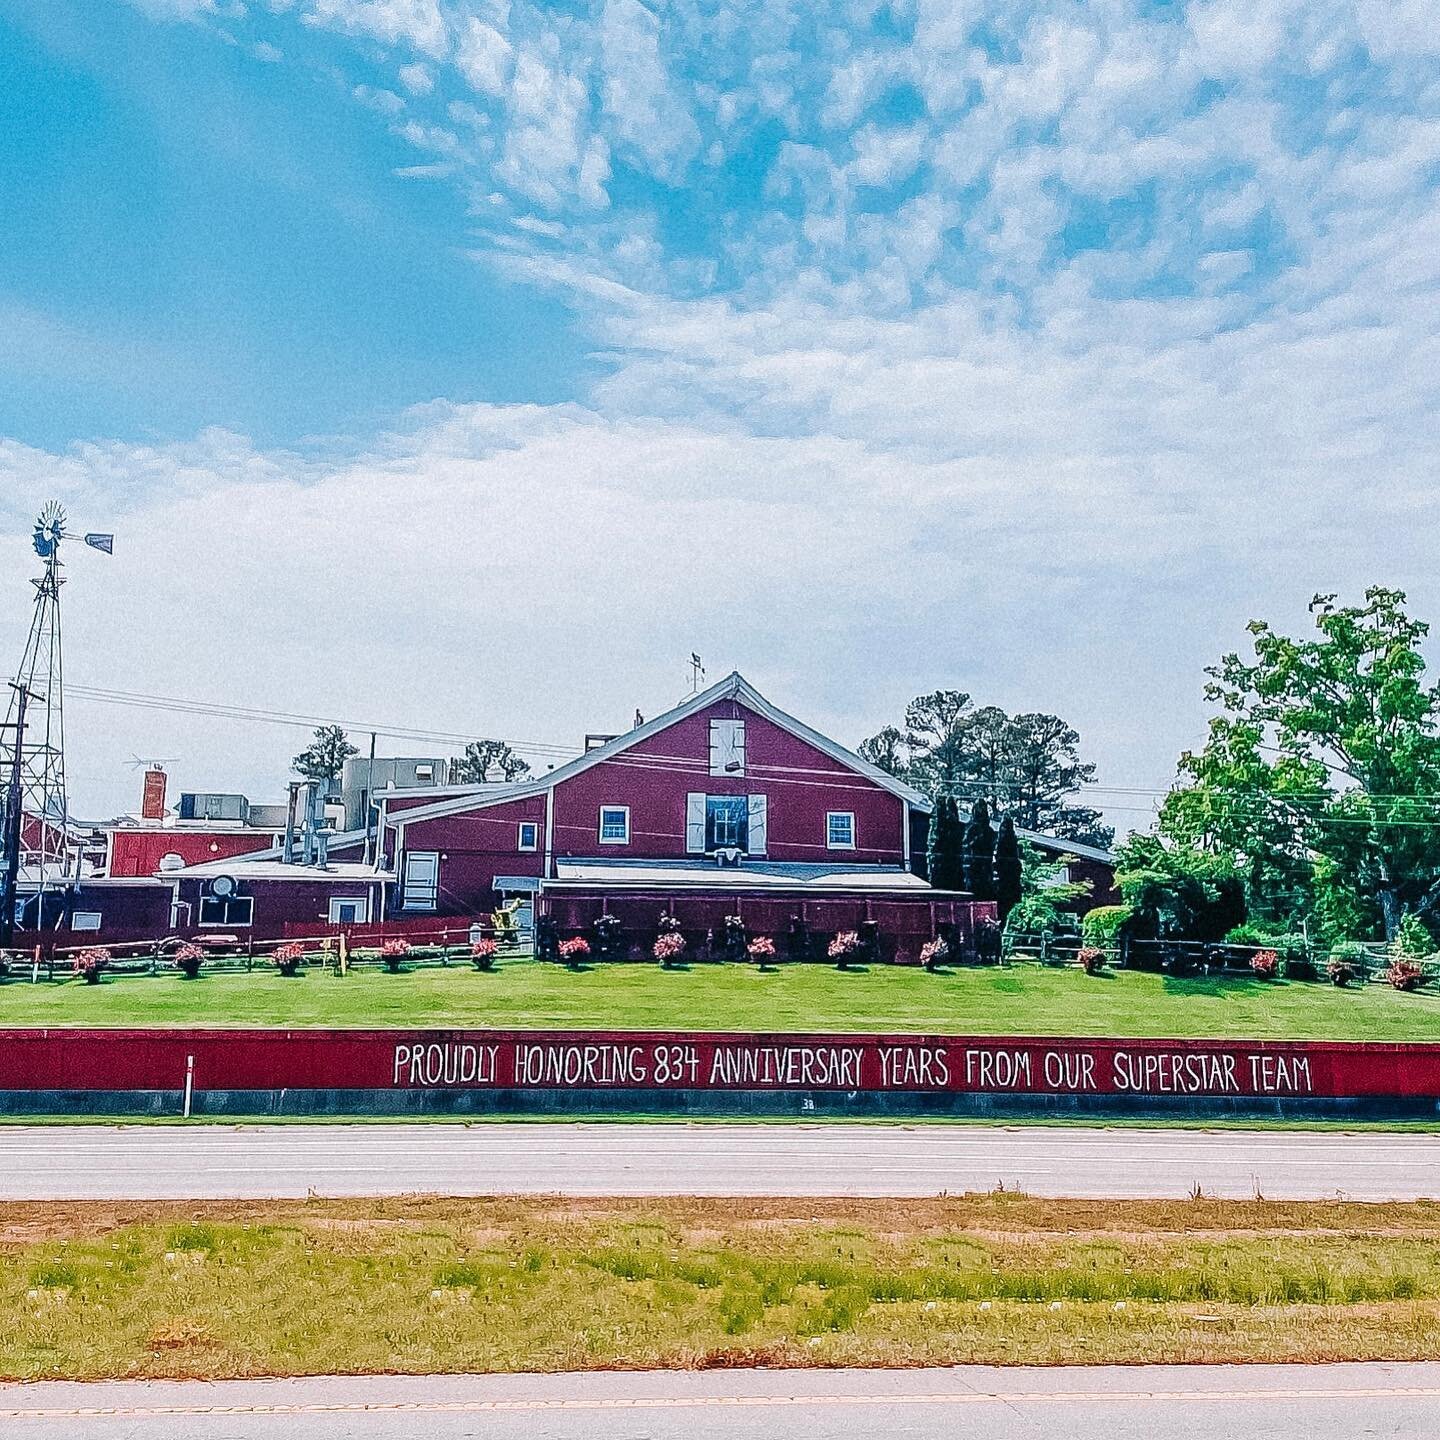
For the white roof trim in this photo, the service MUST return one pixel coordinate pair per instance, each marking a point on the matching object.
(733, 687)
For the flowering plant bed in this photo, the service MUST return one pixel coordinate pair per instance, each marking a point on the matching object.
(188, 959)
(392, 952)
(1405, 974)
(89, 963)
(287, 958)
(574, 950)
(669, 948)
(1266, 964)
(762, 950)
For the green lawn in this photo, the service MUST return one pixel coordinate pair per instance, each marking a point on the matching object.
(1023, 999)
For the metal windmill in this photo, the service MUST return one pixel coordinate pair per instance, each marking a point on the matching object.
(34, 845)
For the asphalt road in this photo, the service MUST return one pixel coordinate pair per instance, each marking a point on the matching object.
(256, 1162)
(1340, 1402)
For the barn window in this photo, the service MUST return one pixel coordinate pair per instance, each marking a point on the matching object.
(614, 824)
(529, 835)
(346, 910)
(727, 747)
(840, 830)
(727, 822)
(232, 912)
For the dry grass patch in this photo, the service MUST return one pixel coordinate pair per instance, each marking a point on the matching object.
(417, 1285)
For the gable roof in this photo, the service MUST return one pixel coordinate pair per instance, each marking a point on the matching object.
(733, 687)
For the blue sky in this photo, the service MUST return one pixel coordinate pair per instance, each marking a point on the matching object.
(1025, 348)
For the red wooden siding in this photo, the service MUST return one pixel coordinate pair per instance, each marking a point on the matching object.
(139, 852)
(800, 783)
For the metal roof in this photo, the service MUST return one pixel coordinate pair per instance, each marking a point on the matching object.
(749, 875)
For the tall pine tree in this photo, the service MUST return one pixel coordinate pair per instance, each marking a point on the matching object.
(1007, 868)
(942, 852)
(979, 851)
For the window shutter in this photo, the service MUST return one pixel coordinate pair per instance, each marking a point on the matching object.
(695, 824)
(757, 824)
(727, 747)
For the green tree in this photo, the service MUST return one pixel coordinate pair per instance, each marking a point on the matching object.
(886, 751)
(1045, 894)
(943, 862)
(487, 760)
(1326, 753)
(1176, 891)
(1027, 766)
(325, 756)
(980, 853)
(1009, 869)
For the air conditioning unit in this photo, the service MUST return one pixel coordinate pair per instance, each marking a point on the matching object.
(728, 855)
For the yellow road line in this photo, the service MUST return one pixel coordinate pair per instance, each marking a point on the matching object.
(701, 1402)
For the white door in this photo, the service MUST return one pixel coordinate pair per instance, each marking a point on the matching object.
(422, 879)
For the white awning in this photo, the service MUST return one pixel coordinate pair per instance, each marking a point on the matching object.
(748, 875)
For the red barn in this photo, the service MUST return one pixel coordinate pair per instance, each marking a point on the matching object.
(724, 805)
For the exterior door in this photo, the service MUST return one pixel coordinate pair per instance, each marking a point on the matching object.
(422, 879)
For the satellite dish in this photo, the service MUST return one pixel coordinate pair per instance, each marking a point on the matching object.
(222, 885)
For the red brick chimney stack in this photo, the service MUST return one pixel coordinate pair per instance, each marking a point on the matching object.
(152, 804)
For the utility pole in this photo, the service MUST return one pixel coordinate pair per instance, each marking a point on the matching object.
(14, 822)
(370, 802)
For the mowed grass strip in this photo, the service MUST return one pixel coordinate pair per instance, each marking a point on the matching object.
(429, 1285)
(1025, 999)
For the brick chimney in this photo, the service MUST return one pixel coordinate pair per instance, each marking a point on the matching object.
(152, 802)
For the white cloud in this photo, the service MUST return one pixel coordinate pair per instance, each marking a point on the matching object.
(484, 57)
(417, 79)
(387, 102)
(417, 23)
(648, 116)
(885, 157)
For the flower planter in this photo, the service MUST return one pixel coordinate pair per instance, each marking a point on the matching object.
(288, 968)
(189, 966)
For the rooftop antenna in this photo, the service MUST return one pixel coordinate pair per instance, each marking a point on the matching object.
(697, 673)
(32, 739)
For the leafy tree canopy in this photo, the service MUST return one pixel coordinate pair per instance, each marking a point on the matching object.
(325, 756)
(1323, 768)
(1177, 891)
(1025, 766)
(487, 760)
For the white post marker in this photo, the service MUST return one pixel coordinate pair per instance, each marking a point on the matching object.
(189, 1083)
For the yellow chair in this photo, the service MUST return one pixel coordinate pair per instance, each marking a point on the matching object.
(507, 932)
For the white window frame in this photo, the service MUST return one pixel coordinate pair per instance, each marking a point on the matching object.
(731, 746)
(92, 919)
(605, 839)
(363, 901)
(533, 826)
(227, 901)
(831, 843)
(406, 901)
